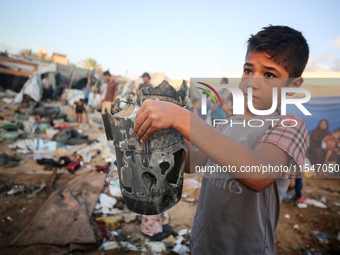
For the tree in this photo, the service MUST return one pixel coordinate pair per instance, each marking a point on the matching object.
(90, 64)
(26, 53)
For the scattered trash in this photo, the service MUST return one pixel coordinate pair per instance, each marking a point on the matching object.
(302, 205)
(111, 221)
(106, 201)
(9, 137)
(316, 203)
(37, 191)
(103, 169)
(191, 200)
(171, 240)
(61, 127)
(337, 204)
(11, 125)
(129, 217)
(16, 190)
(109, 245)
(152, 224)
(43, 145)
(309, 252)
(115, 191)
(287, 216)
(323, 200)
(53, 112)
(23, 146)
(181, 249)
(73, 166)
(156, 247)
(8, 160)
(288, 196)
(128, 246)
(321, 237)
(183, 232)
(179, 239)
(51, 132)
(43, 127)
(70, 137)
(296, 226)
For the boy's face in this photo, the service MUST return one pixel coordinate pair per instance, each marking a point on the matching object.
(262, 74)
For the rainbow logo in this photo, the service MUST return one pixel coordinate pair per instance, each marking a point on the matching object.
(208, 92)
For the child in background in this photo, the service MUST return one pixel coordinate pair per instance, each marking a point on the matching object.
(80, 108)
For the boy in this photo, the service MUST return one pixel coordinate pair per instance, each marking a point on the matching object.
(80, 108)
(238, 213)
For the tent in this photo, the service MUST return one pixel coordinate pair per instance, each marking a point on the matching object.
(59, 74)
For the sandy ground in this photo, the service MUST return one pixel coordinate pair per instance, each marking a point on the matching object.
(16, 211)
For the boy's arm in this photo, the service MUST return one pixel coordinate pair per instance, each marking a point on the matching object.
(154, 116)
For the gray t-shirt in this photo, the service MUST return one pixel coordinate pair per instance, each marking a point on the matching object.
(230, 218)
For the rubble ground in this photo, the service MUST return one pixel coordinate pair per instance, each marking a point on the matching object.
(22, 194)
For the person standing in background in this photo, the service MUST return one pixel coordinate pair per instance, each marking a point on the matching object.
(146, 79)
(316, 153)
(87, 91)
(217, 111)
(45, 86)
(111, 91)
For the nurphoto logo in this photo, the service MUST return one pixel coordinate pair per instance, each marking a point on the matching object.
(238, 103)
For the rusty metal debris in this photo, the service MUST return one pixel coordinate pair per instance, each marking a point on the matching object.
(150, 174)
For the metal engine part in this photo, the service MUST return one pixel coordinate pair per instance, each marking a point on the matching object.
(150, 174)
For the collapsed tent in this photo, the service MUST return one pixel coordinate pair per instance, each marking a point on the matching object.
(60, 76)
(47, 111)
(321, 108)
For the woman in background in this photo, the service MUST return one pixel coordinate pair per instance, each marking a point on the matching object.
(316, 153)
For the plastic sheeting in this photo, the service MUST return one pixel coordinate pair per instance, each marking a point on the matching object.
(321, 108)
(32, 87)
(74, 95)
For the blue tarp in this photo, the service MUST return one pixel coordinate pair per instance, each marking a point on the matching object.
(321, 108)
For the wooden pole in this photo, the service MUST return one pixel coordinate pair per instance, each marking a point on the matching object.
(74, 71)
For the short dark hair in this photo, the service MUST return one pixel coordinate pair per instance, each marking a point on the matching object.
(285, 45)
(107, 73)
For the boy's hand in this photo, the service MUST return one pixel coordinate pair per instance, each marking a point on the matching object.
(154, 116)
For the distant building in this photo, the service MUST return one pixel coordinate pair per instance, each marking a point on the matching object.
(42, 54)
(60, 58)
